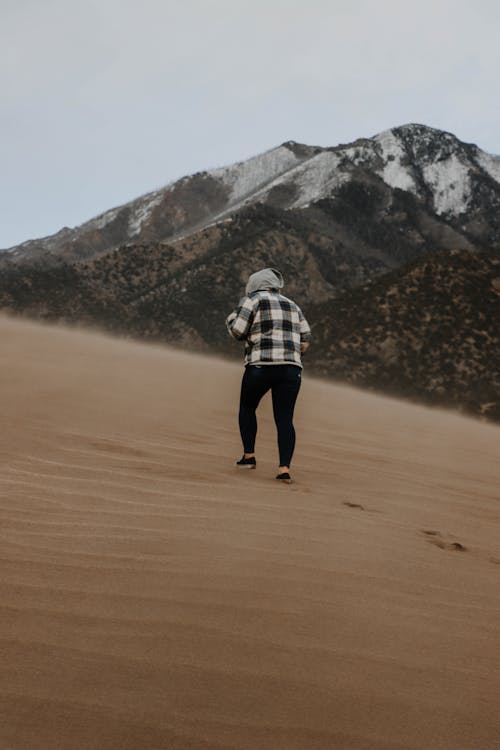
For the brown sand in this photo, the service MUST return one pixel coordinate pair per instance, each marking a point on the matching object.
(152, 596)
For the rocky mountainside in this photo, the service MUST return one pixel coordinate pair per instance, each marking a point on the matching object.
(391, 245)
(452, 187)
(430, 332)
(427, 331)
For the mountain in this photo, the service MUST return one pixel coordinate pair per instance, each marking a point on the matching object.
(452, 190)
(391, 246)
(428, 330)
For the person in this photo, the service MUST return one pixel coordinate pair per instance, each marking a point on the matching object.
(276, 334)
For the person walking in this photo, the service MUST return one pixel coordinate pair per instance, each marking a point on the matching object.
(275, 333)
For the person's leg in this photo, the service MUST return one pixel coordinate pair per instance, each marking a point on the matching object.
(285, 390)
(254, 385)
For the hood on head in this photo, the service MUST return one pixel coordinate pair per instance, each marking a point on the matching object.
(268, 278)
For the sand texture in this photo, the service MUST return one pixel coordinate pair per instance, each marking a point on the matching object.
(153, 597)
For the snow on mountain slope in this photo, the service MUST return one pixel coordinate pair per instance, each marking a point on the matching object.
(143, 211)
(396, 171)
(248, 177)
(311, 179)
(103, 219)
(449, 181)
(490, 164)
(317, 178)
(433, 165)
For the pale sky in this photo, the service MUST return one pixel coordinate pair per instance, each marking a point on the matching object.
(104, 100)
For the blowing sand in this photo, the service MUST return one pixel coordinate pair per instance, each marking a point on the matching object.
(153, 597)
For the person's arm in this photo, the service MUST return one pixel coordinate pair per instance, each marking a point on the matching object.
(239, 322)
(305, 333)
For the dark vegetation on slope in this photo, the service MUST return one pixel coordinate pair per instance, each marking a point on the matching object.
(425, 329)
(429, 332)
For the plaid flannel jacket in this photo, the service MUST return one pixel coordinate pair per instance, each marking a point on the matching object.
(272, 327)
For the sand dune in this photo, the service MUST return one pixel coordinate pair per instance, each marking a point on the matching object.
(152, 597)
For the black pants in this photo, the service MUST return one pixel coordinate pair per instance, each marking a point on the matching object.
(284, 382)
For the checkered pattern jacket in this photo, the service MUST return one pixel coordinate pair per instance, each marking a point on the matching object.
(272, 326)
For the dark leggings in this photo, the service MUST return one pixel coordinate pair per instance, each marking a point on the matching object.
(284, 382)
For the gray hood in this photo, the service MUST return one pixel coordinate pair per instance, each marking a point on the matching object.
(268, 278)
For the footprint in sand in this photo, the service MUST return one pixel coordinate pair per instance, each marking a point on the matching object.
(358, 506)
(436, 538)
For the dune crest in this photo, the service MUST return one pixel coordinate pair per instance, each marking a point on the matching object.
(153, 597)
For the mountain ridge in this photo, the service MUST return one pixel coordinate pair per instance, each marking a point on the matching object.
(426, 331)
(452, 179)
(341, 223)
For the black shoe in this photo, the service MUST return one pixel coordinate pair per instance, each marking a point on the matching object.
(247, 463)
(285, 477)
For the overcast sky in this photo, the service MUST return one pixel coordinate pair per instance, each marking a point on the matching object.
(104, 100)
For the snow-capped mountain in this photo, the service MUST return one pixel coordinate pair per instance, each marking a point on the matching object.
(391, 244)
(455, 182)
